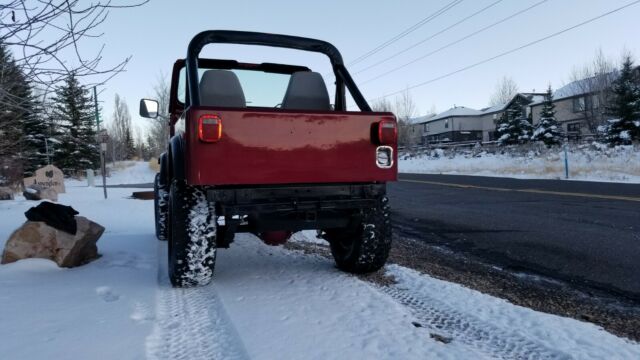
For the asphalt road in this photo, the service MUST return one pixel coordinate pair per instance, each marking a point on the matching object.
(582, 232)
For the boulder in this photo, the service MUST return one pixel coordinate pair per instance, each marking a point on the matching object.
(39, 192)
(6, 193)
(35, 239)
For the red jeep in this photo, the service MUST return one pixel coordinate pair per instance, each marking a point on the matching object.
(261, 148)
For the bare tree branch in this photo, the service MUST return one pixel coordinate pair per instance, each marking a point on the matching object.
(593, 83)
(47, 37)
(506, 89)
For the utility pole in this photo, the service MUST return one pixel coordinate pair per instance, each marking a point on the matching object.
(103, 144)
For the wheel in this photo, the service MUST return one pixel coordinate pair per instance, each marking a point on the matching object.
(364, 247)
(160, 195)
(192, 236)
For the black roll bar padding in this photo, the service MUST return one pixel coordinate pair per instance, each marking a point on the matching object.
(264, 39)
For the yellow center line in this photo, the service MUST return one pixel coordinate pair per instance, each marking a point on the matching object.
(534, 191)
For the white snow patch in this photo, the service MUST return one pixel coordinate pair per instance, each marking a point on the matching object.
(264, 303)
(308, 236)
(477, 319)
(130, 172)
(45, 311)
(595, 162)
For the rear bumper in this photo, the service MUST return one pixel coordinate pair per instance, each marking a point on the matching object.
(295, 207)
(279, 198)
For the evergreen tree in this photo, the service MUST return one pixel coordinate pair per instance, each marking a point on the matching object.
(129, 146)
(548, 130)
(35, 131)
(74, 117)
(625, 107)
(23, 129)
(11, 112)
(513, 126)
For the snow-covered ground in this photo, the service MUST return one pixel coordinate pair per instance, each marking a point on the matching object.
(265, 303)
(129, 172)
(587, 162)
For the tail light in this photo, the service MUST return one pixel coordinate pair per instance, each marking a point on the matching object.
(209, 128)
(387, 132)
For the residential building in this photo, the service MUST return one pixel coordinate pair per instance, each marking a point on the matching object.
(580, 105)
(463, 124)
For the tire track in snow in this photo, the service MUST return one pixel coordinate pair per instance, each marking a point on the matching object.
(191, 323)
(475, 333)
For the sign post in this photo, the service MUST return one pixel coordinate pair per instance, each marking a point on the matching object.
(566, 158)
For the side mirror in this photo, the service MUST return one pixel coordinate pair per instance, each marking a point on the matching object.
(148, 108)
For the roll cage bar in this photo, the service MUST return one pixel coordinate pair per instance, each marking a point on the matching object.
(343, 78)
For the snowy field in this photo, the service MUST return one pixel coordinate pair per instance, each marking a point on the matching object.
(265, 303)
(586, 162)
(129, 172)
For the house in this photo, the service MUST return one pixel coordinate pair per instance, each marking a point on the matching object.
(580, 105)
(463, 124)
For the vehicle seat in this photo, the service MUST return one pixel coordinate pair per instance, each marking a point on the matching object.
(306, 91)
(221, 88)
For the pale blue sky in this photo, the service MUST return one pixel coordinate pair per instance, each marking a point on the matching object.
(158, 33)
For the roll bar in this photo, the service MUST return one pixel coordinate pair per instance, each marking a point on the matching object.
(274, 40)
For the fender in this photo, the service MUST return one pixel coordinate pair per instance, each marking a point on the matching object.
(177, 157)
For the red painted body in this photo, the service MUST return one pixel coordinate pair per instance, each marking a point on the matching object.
(265, 146)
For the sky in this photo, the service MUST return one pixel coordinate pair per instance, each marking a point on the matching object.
(157, 34)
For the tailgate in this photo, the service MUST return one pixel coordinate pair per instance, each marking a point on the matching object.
(284, 147)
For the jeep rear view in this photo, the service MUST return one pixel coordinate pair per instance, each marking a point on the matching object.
(263, 148)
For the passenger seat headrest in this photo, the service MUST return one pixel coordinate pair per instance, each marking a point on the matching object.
(306, 91)
(221, 88)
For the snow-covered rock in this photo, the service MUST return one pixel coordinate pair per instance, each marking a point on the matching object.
(37, 192)
(35, 239)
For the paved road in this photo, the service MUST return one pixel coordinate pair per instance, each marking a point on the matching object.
(585, 232)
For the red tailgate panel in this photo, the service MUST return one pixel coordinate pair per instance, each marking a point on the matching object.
(284, 147)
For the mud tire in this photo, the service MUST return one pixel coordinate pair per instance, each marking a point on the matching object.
(160, 205)
(365, 247)
(192, 236)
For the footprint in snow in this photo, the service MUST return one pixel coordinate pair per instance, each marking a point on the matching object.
(107, 294)
(141, 313)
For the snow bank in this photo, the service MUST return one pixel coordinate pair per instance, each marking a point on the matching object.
(586, 162)
(102, 310)
(130, 172)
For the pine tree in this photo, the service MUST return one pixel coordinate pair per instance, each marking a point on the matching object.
(129, 146)
(625, 107)
(11, 113)
(513, 126)
(36, 131)
(548, 130)
(23, 128)
(74, 116)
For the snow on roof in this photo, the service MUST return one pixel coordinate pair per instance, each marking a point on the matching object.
(421, 119)
(536, 98)
(580, 87)
(456, 111)
(494, 108)
(465, 111)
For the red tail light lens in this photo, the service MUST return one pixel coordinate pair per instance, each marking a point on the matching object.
(387, 132)
(209, 128)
